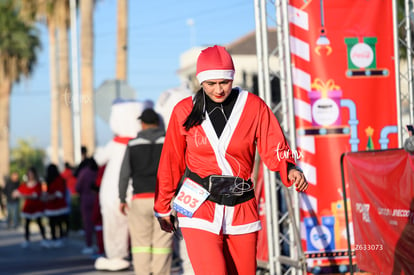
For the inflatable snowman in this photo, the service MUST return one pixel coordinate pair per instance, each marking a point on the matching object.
(168, 99)
(124, 124)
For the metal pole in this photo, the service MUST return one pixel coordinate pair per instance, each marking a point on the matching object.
(265, 53)
(259, 49)
(289, 87)
(273, 200)
(301, 260)
(266, 176)
(282, 71)
(409, 59)
(291, 110)
(75, 82)
(397, 72)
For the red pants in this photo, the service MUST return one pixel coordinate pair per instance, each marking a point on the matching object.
(212, 254)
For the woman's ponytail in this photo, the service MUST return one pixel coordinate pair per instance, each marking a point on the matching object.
(197, 115)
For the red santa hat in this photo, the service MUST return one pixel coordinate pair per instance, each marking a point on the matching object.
(214, 63)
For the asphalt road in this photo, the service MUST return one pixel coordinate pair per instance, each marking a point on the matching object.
(37, 260)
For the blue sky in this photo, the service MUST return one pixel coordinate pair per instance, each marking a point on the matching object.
(158, 33)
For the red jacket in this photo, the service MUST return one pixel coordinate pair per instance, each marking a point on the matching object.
(70, 179)
(33, 207)
(251, 125)
(56, 192)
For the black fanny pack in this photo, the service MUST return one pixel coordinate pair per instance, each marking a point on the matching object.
(224, 190)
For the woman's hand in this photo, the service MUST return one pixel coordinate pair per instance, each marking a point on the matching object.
(298, 179)
(166, 224)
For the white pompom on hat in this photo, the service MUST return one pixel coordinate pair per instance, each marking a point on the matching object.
(214, 63)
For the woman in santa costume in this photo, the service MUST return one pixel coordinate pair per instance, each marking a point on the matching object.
(56, 205)
(212, 139)
(33, 207)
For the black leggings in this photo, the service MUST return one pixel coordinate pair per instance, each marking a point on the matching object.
(55, 223)
(65, 225)
(60, 224)
(27, 230)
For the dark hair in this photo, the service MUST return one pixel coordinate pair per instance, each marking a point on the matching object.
(91, 163)
(197, 115)
(33, 170)
(52, 173)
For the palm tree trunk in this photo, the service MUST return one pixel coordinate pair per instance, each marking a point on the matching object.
(65, 96)
(122, 42)
(54, 97)
(5, 89)
(87, 99)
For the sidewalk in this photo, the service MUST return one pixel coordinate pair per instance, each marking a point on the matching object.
(37, 260)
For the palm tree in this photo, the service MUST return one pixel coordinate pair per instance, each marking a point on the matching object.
(54, 95)
(43, 10)
(122, 42)
(55, 13)
(19, 43)
(62, 15)
(87, 100)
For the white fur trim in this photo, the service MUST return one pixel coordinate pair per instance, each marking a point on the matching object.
(56, 212)
(160, 215)
(220, 145)
(228, 228)
(213, 227)
(215, 74)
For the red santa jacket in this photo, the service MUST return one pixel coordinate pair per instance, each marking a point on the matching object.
(251, 125)
(56, 204)
(33, 207)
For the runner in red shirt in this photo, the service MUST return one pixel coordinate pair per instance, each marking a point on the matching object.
(211, 140)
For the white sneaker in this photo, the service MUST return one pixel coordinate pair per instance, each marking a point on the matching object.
(118, 265)
(106, 264)
(25, 244)
(87, 251)
(101, 263)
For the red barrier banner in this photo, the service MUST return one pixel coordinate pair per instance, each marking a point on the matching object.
(381, 185)
(343, 75)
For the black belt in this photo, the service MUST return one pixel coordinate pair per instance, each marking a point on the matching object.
(224, 199)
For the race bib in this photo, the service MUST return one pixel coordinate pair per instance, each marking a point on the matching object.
(189, 198)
